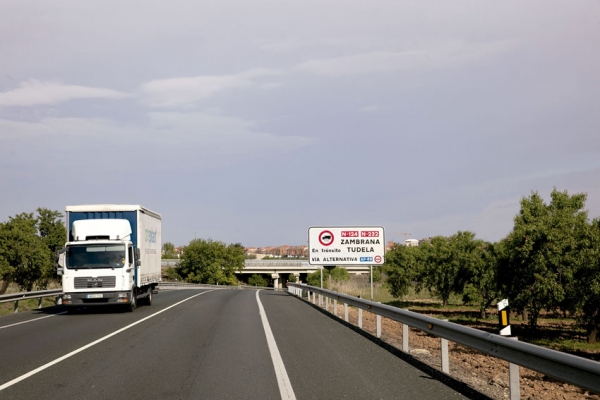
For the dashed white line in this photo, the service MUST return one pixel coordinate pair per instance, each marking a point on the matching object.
(283, 380)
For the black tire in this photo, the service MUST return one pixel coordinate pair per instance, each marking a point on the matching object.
(133, 304)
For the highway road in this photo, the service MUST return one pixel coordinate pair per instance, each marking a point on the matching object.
(201, 344)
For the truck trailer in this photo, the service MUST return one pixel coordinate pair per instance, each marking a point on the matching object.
(112, 256)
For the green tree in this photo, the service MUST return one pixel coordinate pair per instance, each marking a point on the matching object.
(481, 286)
(339, 275)
(170, 274)
(257, 280)
(26, 259)
(235, 261)
(439, 268)
(53, 233)
(543, 252)
(314, 279)
(401, 267)
(211, 262)
(448, 263)
(51, 229)
(168, 251)
(583, 296)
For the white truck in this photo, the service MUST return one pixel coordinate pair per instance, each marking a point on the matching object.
(112, 256)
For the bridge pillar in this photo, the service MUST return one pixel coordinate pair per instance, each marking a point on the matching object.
(275, 280)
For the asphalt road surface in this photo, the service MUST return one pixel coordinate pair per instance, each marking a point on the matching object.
(201, 344)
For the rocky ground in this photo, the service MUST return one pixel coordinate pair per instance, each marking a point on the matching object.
(486, 374)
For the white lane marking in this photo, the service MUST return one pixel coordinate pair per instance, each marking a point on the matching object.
(87, 346)
(32, 320)
(283, 380)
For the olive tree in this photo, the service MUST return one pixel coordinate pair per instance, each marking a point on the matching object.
(543, 252)
(212, 262)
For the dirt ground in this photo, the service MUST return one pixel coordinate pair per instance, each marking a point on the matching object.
(486, 374)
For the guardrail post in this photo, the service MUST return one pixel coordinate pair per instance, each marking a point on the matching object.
(335, 310)
(346, 312)
(326, 303)
(39, 302)
(444, 351)
(360, 318)
(16, 308)
(405, 338)
(379, 326)
(320, 300)
(315, 298)
(514, 379)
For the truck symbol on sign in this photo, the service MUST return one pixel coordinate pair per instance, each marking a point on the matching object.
(325, 238)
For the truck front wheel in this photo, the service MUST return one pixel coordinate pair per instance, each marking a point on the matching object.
(133, 303)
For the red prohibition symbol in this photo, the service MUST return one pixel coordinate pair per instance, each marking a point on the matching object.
(377, 259)
(326, 238)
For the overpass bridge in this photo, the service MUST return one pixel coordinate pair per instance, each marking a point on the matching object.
(279, 270)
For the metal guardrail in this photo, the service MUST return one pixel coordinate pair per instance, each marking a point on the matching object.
(16, 297)
(565, 367)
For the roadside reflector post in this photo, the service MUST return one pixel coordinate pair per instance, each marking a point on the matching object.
(504, 317)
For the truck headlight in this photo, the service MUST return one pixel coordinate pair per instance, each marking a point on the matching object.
(66, 297)
(123, 295)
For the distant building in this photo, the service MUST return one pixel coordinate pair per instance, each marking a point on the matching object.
(284, 251)
(411, 242)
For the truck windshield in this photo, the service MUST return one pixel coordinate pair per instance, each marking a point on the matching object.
(95, 256)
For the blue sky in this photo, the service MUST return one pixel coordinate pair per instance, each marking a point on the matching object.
(252, 121)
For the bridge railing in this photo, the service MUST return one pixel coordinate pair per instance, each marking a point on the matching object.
(565, 367)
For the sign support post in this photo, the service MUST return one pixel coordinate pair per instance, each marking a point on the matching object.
(371, 283)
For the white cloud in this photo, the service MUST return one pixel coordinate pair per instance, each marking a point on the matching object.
(167, 141)
(187, 92)
(34, 92)
(439, 56)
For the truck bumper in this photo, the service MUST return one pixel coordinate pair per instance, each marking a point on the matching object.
(95, 299)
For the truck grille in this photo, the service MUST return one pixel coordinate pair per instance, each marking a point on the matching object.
(95, 282)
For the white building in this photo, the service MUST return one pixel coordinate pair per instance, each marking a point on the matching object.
(411, 242)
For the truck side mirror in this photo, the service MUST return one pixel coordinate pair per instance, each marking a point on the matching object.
(59, 258)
